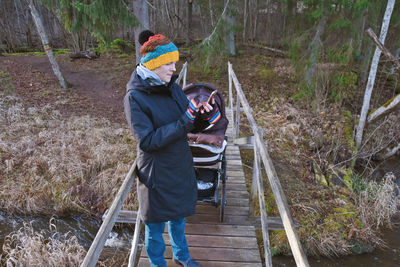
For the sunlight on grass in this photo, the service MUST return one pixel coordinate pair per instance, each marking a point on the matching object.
(55, 165)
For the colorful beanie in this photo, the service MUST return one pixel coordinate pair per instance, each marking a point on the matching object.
(158, 51)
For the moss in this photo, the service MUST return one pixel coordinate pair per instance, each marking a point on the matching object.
(390, 101)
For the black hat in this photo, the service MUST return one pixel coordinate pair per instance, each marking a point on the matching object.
(144, 36)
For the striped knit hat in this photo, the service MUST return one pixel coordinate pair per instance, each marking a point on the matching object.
(158, 51)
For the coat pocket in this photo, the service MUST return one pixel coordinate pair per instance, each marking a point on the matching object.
(146, 170)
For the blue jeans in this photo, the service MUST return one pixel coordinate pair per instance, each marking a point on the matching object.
(155, 245)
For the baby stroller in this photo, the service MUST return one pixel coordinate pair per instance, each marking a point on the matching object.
(208, 150)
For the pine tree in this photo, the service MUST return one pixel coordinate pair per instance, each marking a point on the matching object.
(99, 17)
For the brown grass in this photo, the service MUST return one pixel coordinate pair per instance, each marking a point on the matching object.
(52, 165)
(26, 247)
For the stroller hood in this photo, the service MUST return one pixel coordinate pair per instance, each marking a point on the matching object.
(213, 135)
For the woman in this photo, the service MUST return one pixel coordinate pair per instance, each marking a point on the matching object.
(160, 116)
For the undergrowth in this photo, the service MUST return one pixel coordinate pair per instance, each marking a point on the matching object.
(53, 165)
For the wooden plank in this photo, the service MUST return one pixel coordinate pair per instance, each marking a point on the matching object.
(144, 262)
(236, 186)
(211, 218)
(220, 229)
(229, 210)
(231, 162)
(217, 254)
(241, 202)
(218, 241)
(235, 173)
(237, 194)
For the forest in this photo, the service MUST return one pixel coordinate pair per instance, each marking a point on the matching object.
(321, 77)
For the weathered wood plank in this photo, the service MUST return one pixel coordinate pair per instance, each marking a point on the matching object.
(235, 173)
(218, 241)
(143, 262)
(211, 218)
(217, 254)
(240, 186)
(220, 229)
(231, 162)
(229, 210)
(237, 201)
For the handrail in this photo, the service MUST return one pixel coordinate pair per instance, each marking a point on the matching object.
(294, 242)
(95, 249)
(135, 240)
(182, 74)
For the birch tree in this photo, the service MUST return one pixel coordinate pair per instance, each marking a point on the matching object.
(46, 45)
(372, 74)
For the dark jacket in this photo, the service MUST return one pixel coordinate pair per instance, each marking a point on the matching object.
(167, 187)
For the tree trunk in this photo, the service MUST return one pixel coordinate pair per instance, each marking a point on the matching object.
(230, 37)
(245, 14)
(140, 10)
(46, 45)
(372, 74)
(223, 15)
(314, 48)
(255, 22)
(189, 15)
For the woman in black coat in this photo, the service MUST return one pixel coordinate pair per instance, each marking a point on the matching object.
(160, 116)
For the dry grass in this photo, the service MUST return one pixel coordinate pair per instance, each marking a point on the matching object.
(379, 203)
(335, 217)
(26, 247)
(334, 221)
(53, 165)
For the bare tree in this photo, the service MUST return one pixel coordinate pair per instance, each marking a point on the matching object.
(372, 74)
(46, 45)
(189, 15)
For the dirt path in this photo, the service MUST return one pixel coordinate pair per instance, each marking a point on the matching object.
(95, 89)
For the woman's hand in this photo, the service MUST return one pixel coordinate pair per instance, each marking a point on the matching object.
(210, 112)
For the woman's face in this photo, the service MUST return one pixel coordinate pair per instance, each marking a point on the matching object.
(165, 71)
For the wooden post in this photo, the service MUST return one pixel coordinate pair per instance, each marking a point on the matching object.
(135, 241)
(256, 171)
(230, 86)
(95, 249)
(46, 45)
(372, 74)
(237, 121)
(263, 211)
(283, 207)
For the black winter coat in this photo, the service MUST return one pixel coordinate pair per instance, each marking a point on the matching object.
(167, 188)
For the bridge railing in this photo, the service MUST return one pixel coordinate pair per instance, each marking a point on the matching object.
(97, 246)
(261, 151)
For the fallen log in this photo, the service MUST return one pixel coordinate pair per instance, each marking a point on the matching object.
(273, 50)
(84, 54)
(386, 108)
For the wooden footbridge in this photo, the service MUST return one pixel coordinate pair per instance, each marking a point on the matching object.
(233, 242)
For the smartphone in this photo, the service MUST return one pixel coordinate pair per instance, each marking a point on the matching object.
(211, 96)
